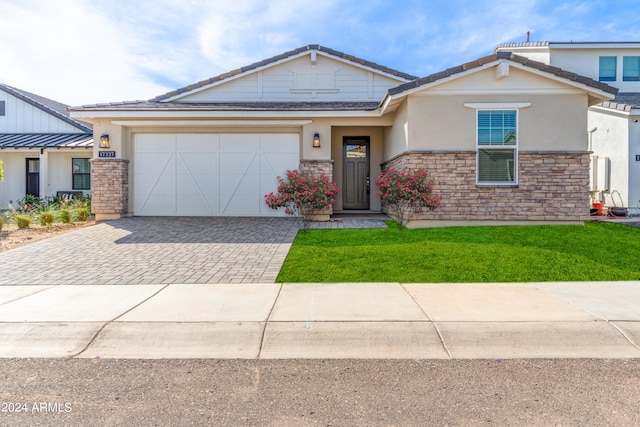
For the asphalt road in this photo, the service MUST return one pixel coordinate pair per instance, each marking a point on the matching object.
(96, 392)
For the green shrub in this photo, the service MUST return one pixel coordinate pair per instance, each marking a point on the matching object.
(22, 221)
(65, 216)
(82, 214)
(46, 218)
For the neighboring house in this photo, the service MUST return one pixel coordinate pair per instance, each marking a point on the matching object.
(43, 150)
(504, 138)
(613, 126)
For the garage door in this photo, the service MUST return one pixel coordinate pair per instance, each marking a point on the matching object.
(210, 174)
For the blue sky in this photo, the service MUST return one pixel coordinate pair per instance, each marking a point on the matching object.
(90, 51)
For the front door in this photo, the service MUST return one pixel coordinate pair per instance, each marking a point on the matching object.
(355, 181)
(33, 177)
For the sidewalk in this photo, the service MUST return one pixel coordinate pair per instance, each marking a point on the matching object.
(334, 321)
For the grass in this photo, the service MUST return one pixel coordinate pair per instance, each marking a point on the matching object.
(593, 252)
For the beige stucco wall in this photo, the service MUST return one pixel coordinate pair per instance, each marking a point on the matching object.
(551, 122)
(396, 136)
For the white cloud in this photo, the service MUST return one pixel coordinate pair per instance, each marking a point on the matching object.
(88, 51)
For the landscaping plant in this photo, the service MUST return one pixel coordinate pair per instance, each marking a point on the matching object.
(405, 194)
(22, 221)
(302, 195)
(65, 216)
(82, 214)
(46, 218)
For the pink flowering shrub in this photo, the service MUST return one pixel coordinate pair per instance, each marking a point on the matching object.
(405, 194)
(303, 195)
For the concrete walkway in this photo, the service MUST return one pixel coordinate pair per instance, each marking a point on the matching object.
(376, 320)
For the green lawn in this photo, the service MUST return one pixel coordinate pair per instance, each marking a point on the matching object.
(596, 251)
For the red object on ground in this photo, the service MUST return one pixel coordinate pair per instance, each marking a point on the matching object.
(599, 206)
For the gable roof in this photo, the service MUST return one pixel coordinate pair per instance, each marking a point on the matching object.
(511, 57)
(278, 58)
(416, 85)
(47, 105)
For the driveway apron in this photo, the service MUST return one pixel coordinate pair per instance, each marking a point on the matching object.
(156, 250)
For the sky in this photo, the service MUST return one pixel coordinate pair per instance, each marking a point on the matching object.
(81, 52)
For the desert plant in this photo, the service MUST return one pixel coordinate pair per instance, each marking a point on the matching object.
(82, 214)
(30, 204)
(303, 195)
(1, 223)
(65, 216)
(81, 201)
(405, 194)
(46, 218)
(22, 221)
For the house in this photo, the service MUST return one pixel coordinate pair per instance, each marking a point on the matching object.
(43, 150)
(503, 136)
(613, 126)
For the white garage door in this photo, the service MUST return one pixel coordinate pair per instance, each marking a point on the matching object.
(210, 174)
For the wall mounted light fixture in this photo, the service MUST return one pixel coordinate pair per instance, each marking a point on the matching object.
(316, 140)
(104, 141)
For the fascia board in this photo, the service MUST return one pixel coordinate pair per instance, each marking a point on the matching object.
(221, 114)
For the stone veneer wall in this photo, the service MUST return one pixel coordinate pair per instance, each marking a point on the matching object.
(109, 186)
(316, 169)
(553, 186)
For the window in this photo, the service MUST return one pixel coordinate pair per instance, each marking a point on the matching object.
(81, 174)
(631, 68)
(608, 69)
(497, 147)
(2, 108)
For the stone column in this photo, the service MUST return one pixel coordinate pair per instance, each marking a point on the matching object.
(110, 188)
(316, 169)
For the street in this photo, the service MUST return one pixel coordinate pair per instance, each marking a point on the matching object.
(526, 392)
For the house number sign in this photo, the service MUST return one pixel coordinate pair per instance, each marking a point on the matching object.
(106, 153)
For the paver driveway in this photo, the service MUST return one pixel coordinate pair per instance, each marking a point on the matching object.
(156, 251)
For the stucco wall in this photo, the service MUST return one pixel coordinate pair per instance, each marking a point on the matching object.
(611, 139)
(552, 122)
(396, 136)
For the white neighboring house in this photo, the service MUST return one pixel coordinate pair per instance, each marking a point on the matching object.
(44, 151)
(613, 128)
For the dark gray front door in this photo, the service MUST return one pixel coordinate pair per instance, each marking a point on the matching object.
(355, 176)
(33, 177)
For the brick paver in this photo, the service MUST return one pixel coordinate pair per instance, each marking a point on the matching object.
(160, 251)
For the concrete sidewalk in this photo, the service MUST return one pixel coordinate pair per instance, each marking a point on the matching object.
(334, 321)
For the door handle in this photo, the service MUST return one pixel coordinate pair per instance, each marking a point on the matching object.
(368, 185)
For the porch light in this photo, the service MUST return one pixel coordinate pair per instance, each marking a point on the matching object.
(104, 141)
(316, 140)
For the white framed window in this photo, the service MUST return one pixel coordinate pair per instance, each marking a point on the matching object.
(497, 147)
(631, 68)
(608, 68)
